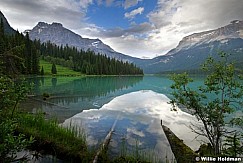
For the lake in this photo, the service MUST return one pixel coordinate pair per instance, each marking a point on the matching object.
(134, 105)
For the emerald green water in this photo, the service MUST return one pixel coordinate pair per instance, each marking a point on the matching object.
(136, 104)
(72, 95)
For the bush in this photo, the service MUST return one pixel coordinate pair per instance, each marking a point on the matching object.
(10, 143)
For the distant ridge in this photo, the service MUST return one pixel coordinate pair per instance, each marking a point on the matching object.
(192, 50)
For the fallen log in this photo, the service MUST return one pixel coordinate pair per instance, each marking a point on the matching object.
(181, 151)
(106, 141)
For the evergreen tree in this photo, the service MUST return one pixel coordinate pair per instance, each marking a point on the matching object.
(53, 69)
(28, 54)
(42, 71)
(34, 61)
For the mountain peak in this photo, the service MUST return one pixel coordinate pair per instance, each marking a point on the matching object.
(44, 24)
(232, 30)
(56, 24)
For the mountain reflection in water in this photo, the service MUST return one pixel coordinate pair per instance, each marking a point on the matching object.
(139, 114)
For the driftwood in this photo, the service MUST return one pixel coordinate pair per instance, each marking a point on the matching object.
(106, 141)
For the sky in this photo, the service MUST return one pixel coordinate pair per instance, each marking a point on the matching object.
(139, 28)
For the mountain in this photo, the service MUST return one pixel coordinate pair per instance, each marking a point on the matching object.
(192, 50)
(7, 28)
(189, 54)
(57, 34)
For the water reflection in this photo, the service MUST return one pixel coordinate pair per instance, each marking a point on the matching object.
(139, 114)
(53, 81)
(72, 95)
(86, 85)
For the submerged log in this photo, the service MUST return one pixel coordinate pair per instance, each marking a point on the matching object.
(181, 151)
(106, 141)
(49, 103)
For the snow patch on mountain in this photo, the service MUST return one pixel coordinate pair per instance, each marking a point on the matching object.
(224, 41)
(233, 30)
(95, 44)
(241, 33)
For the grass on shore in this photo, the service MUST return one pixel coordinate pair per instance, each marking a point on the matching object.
(50, 138)
(68, 144)
(61, 71)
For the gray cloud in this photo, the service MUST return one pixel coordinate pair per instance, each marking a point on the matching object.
(24, 14)
(135, 29)
(185, 13)
(130, 3)
(163, 14)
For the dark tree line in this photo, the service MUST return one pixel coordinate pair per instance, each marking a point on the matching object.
(86, 62)
(18, 54)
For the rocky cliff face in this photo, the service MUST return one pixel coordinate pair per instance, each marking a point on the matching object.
(57, 34)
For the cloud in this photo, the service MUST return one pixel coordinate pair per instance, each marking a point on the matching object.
(162, 15)
(149, 46)
(128, 45)
(135, 29)
(203, 14)
(133, 13)
(70, 13)
(130, 3)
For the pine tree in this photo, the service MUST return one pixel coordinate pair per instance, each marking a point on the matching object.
(34, 61)
(42, 71)
(53, 69)
(28, 54)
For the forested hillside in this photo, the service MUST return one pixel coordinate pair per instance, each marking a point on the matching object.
(86, 62)
(20, 55)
